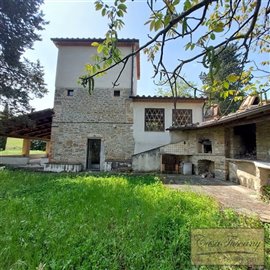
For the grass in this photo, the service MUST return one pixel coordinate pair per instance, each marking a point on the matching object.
(62, 221)
(266, 193)
(14, 147)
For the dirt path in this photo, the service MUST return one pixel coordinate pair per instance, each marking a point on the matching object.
(237, 197)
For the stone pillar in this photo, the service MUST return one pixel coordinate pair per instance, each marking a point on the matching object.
(26, 147)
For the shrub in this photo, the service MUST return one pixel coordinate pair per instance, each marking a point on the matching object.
(38, 145)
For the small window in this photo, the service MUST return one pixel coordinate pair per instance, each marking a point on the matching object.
(204, 146)
(70, 92)
(181, 117)
(116, 93)
(154, 119)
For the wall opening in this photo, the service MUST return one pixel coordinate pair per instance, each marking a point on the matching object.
(70, 92)
(204, 145)
(206, 168)
(170, 163)
(93, 154)
(245, 142)
(116, 93)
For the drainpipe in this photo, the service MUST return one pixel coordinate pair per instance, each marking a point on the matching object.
(132, 71)
(203, 111)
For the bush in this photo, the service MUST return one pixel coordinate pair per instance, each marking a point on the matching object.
(266, 193)
(3, 143)
(38, 145)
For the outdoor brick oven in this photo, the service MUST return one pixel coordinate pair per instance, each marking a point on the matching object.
(206, 168)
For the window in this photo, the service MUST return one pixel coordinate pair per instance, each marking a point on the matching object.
(116, 93)
(70, 92)
(181, 117)
(204, 145)
(154, 119)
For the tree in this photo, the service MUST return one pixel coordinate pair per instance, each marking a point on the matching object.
(3, 139)
(38, 145)
(20, 79)
(182, 90)
(228, 61)
(202, 27)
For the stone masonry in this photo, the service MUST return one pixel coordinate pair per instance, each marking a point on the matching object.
(100, 115)
(189, 146)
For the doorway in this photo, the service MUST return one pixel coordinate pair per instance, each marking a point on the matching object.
(93, 154)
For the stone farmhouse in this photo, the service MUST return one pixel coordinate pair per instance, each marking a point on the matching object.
(103, 130)
(234, 147)
(115, 129)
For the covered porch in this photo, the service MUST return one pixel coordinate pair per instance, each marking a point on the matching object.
(33, 126)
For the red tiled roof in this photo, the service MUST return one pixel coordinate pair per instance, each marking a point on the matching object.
(167, 99)
(253, 113)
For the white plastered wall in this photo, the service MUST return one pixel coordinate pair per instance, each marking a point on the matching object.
(145, 140)
(71, 65)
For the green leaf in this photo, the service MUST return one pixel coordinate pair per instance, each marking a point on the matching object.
(219, 27)
(225, 94)
(231, 92)
(232, 78)
(167, 19)
(122, 7)
(187, 5)
(95, 44)
(152, 25)
(120, 13)
(100, 48)
(103, 12)
(158, 25)
(226, 85)
(98, 6)
(192, 46)
(188, 46)
(213, 36)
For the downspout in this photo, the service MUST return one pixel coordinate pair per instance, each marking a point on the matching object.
(132, 71)
(203, 111)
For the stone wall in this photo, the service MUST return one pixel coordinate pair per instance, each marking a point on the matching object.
(100, 106)
(148, 161)
(263, 140)
(249, 173)
(190, 146)
(98, 116)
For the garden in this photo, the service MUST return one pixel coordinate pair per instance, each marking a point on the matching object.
(104, 221)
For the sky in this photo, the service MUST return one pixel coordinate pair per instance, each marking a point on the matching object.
(79, 19)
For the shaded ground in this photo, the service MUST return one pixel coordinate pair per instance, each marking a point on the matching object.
(237, 197)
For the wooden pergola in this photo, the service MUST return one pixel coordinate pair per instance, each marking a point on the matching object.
(33, 126)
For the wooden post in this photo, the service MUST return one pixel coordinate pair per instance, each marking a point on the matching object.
(162, 166)
(26, 147)
(48, 148)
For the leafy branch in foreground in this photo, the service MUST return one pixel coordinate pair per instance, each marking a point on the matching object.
(204, 28)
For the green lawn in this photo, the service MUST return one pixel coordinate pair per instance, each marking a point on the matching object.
(14, 147)
(61, 221)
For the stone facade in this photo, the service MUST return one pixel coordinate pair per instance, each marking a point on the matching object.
(98, 116)
(263, 140)
(221, 159)
(93, 130)
(190, 146)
